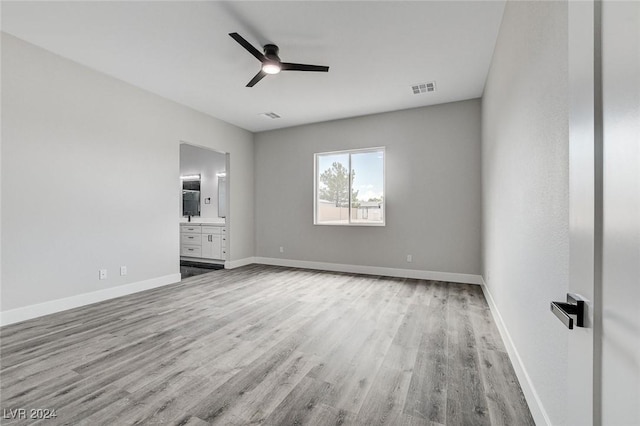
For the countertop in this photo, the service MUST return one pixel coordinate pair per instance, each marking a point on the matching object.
(203, 221)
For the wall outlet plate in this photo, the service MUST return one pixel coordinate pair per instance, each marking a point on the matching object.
(123, 270)
(102, 274)
(409, 258)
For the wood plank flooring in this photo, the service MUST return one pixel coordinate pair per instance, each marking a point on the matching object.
(267, 345)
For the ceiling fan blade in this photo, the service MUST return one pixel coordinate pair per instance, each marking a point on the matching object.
(244, 43)
(256, 79)
(287, 66)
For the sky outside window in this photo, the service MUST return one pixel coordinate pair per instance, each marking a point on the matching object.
(369, 174)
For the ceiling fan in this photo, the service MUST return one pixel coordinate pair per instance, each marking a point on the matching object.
(271, 63)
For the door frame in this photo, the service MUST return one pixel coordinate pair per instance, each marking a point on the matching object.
(585, 208)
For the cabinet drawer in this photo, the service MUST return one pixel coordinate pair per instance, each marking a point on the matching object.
(193, 239)
(211, 230)
(190, 229)
(194, 251)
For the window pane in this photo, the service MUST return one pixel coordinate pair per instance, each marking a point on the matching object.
(367, 182)
(333, 188)
(350, 187)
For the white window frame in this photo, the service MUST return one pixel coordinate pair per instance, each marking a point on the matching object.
(384, 186)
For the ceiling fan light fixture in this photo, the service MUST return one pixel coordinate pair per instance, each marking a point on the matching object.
(271, 67)
(270, 60)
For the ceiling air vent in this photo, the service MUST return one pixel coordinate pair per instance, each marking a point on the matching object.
(270, 115)
(423, 87)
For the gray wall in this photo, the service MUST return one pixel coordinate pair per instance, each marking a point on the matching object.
(90, 178)
(432, 190)
(525, 190)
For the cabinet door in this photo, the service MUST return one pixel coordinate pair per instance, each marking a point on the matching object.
(211, 246)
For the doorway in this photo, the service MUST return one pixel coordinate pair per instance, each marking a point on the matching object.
(203, 209)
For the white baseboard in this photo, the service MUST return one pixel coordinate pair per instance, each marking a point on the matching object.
(372, 270)
(33, 311)
(231, 264)
(538, 412)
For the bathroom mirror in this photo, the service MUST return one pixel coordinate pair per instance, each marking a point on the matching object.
(222, 196)
(190, 196)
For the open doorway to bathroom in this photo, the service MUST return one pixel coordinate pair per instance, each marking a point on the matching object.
(204, 188)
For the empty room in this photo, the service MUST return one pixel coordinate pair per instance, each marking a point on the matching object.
(320, 212)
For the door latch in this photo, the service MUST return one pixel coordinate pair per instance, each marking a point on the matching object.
(570, 312)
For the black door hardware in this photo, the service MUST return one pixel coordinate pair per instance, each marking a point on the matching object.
(573, 308)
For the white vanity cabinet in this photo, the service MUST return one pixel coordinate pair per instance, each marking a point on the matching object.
(206, 241)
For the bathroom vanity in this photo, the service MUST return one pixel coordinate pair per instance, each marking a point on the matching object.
(206, 241)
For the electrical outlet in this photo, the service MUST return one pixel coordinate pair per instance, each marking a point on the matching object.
(123, 270)
(281, 249)
(409, 258)
(102, 274)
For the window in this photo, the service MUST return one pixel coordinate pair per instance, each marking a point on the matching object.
(349, 187)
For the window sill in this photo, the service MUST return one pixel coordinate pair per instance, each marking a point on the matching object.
(350, 224)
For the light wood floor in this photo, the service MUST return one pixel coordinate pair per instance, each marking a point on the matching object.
(268, 345)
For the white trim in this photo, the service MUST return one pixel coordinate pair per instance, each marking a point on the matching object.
(58, 305)
(231, 264)
(536, 407)
(372, 270)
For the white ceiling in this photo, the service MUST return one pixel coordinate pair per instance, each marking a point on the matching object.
(181, 50)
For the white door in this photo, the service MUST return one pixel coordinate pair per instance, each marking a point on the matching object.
(604, 123)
